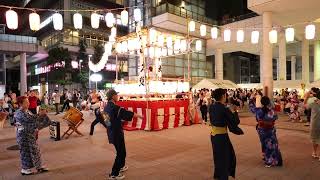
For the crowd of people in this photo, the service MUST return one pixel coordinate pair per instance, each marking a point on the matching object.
(219, 108)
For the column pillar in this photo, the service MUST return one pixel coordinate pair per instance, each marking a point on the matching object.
(267, 75)
(316, 62)
(23, 73)
(305, 61)
(219, 64)
(282, 57)
(293, 67)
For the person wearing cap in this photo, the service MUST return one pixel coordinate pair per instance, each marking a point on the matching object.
(315, 121)
(116, 134)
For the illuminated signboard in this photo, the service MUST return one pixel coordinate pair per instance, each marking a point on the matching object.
(48, 68)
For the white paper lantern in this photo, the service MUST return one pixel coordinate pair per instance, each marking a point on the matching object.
(273, 36)
(170, 52)
(227, 35)
(112, 39)
(114, 31)
(131, 44)
(192, 26)
(124, 17)
(144, 41)
(214, 33)
(169, 42)
(12, 19)
(164, 52)
(137, 14)
(183, 45)
(119, 48)
(34, 21)
(151, 52)
(203, 30)
(198, 45)
(109, 19)
(310, 31)
(124, 46)
(77, 21)
(177, 46)
(145, 51)
(95, 20)
(152, 35)
(74, 64)
(158, 52)
(240, 36)
(289, 34)
(57, 21)
(108, 48)
(160, 40)
(255, 37)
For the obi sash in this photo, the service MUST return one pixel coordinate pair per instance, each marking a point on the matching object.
(218, 130)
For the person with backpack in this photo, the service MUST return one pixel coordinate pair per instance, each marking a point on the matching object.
(115, 132)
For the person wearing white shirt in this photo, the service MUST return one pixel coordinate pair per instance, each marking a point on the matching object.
(56, 99)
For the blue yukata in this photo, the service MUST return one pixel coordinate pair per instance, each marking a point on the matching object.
(267, 134)
(27, 126)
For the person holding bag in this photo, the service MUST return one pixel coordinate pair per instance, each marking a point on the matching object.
(116, 115)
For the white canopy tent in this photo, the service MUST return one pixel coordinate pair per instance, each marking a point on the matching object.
(277, 85)
(215, 84)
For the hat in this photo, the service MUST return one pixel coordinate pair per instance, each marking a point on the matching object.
(111, 93)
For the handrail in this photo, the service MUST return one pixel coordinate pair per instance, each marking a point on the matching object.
(18, 39)
(238, 18)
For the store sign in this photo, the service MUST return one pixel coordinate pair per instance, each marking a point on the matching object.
(48, 68)
(110, 67)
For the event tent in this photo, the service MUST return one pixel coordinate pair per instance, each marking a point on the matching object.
(282, 84)
(215, 84)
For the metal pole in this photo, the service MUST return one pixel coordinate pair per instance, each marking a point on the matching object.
(97, 85)
(189, 44)
(116, 67)
(89, 56)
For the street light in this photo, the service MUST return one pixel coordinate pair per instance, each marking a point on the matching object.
(89, 56)
(96, 78)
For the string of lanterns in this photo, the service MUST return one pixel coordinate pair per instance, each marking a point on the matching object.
(34, 18)
(310, 31)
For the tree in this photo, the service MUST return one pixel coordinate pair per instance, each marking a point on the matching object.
(59, 74)
(98, 53)
(83, 74)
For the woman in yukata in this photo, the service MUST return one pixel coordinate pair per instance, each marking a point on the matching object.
(28, 125)
(266, 118)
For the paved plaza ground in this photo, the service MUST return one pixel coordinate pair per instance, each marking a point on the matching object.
(175, 154)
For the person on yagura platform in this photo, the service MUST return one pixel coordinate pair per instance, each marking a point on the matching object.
(221, 119)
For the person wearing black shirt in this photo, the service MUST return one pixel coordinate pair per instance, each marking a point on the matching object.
(222, 119)
(115, 132)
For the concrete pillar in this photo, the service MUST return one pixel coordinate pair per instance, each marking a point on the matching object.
(305, 61)
(282, 57)
(267, 76)
(293, 67)
(23, 73)
(316, 61)
(219, 64)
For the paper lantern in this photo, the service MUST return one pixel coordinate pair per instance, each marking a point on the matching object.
(109, 19)
(131, 44)
(214, 33)
(289, 34)
(112, 39)
(12, 19)
(170, 52)
(108, 48)
(152, 35)
(119, 48)
(124, 17)
(255, 37)
(158, 52)
(57, 21)
(183, 45)
(137, 14)
(164, 52)
(34, 21)
(160, 40)
(74, 64)
(273, 36)
(169, 42)
(227, 35)
(177, 46)
(95, 20)
(77, 21)
(114, 31)
(144, 41)
(192, 26)
(198, 45)
(203, 30)
(310, 31)
(151, 52)
(124, 46)
(240, 36)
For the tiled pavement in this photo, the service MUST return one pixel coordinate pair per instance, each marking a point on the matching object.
(179, 154)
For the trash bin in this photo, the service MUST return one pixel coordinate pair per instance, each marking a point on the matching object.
(54, 130)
